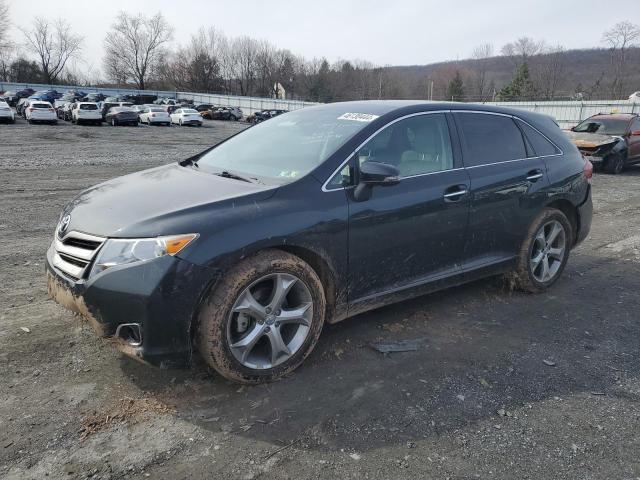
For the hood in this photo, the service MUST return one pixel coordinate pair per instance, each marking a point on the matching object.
(158, 201)
(590, 140)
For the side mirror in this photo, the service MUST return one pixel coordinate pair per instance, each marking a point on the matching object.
(635, 133)
(375, 174)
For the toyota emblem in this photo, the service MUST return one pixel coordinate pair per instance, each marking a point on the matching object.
(64, 223)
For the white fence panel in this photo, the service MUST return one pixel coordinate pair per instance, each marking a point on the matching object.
(568, 114)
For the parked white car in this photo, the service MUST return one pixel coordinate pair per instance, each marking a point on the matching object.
(6, 112)
(86, 112)
(186, 116)
(154, 116)
(634, 97)
(39, 111)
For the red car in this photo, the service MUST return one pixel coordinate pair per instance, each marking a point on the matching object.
(609, 141)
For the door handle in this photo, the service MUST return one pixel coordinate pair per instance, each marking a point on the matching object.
(534, 175)
(455, 193)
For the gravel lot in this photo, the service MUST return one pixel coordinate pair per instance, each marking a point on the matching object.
(503, 385)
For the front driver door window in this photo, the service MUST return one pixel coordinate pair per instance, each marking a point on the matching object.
(408, 233)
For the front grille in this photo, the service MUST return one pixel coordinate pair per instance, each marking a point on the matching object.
(74, 252)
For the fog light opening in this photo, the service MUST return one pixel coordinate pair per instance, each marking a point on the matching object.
(130, 333)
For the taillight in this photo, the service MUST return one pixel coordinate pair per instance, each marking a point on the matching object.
(587, 170)
(31, 109)
(153, 114)
(51, 110)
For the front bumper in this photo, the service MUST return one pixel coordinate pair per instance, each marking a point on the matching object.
(161, 296)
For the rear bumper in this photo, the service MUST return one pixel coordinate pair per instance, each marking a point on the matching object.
(160, 296)
(44, 118)
(585, 215)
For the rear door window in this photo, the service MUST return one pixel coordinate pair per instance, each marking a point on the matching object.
(489, 138)
(541, 146)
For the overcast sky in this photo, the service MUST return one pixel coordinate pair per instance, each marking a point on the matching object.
(397, 32)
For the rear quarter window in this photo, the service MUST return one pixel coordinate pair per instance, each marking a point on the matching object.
(489, 138)
(541, 146)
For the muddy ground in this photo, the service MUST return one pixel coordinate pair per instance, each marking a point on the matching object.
(503, 385)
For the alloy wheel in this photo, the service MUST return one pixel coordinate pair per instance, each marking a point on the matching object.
(548, 252)
(270, 321)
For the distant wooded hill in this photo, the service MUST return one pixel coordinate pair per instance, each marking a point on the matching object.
(559, 75)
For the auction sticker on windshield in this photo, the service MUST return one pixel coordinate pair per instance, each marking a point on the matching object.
(358, 117)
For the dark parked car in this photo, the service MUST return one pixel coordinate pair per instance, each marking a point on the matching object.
(10, 97)
(46, 96)
(609, 141)
(108, 105)
(122, 116)
(220, 113)
(94, 97)
(265, 115)
(242, 252)
(203, 107)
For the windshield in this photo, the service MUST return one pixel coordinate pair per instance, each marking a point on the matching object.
(188, 110)
(285, 148)
(88, 106)
(603, 125)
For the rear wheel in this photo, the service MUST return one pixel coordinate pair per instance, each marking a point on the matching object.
(113, 122)
(544, 252)
(614, 165)
(263, 319)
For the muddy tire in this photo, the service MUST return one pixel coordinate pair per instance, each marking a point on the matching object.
(544, 252)
(262, 319)
(614, 165)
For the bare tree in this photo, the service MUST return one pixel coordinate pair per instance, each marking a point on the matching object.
(5, 22)
(135, 47)
(241, 60)
(522, 49)
(620, 39)
(550, 67)
(54, 44)
(7, 48)
(196, 67)
(481, 54)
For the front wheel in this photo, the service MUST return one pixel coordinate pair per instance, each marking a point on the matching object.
(113, 122)
(544, 252)
(614, 165)
(263, 318)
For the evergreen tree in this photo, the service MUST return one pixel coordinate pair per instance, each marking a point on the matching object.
(521, 87)
(455, 90)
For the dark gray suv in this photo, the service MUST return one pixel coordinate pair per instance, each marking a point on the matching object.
(243, 252)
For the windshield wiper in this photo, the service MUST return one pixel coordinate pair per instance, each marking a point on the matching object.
(227, 174)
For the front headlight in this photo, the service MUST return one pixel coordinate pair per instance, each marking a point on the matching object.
(122, 251)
